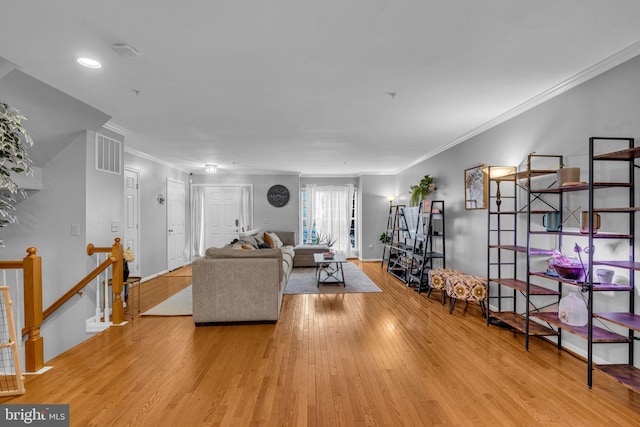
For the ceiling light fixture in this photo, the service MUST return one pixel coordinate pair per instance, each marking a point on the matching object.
(211, 168)
(89, 63)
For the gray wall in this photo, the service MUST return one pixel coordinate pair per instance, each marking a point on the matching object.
(265, 216)
(374, 210)
(73, 193)
(608, 105)
(104, 200)
(153, 216)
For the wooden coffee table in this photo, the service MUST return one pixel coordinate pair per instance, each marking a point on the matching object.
(332, 269)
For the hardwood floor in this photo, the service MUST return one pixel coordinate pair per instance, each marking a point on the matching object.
(387, 359)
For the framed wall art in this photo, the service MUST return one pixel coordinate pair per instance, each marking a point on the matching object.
(278, 195)
(475, 188)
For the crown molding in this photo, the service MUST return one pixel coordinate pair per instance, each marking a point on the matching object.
(583, 76)
(146, 156)
(116, 128)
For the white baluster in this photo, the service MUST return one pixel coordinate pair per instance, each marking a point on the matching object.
(98, 291)
(100, 321)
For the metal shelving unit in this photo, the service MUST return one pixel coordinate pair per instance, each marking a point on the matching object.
(397, 252)
(512, 292)
(601, 158)
(428, 245)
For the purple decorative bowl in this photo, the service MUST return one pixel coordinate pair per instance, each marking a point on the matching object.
(569, 272)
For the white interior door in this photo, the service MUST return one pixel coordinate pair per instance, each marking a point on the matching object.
(175, 224)
(131, 220)
(222, 215)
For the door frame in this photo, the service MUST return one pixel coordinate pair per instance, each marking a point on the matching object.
(251, 201)
(184, 222)
(138, 249)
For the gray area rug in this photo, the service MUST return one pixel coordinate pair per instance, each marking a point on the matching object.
(303, 281)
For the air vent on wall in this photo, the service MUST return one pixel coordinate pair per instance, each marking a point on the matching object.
(108, 154)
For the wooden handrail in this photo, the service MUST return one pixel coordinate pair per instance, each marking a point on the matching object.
(31, 267)
(11, 265)
(78, 287)
(117, 310)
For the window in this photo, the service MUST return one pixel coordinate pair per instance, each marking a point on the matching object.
(330, 212)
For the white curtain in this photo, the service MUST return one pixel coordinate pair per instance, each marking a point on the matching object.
(197, 212)
(329, 208)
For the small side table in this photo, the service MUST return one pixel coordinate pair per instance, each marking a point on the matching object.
(131, 286)
(134, 288)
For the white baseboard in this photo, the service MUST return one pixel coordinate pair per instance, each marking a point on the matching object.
(153, 276)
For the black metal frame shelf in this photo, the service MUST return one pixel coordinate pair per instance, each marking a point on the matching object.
(430, 234)
(541, 320)
(628, 374)
(522, 289)
(413, 249)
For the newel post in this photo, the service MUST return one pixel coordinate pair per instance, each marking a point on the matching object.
(116, 282)
(32, 276)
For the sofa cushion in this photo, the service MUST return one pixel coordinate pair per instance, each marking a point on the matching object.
(230, 253)
(287, 256)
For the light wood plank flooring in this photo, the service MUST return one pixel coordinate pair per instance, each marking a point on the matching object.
(382, 359)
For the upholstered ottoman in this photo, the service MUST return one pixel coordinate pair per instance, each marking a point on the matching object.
(467, 288)
(438, 280)
(304, 254)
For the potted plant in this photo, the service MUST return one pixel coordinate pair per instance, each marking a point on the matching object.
(385, 238)
(422, 190)
(14, 140)
(324, 239)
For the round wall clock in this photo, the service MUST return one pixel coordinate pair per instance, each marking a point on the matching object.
(278, 196)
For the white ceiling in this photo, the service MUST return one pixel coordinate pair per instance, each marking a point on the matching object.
(301, 86)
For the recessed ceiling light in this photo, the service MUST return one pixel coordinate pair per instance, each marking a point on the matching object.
(89, 63)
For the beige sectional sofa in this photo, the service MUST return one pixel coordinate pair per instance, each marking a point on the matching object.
(235, 285)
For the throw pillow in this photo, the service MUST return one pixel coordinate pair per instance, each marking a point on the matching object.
(268, 239)
(276, 240)
(247, 246)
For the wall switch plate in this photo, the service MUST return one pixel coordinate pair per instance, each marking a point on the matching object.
(75, 229)
(114, 226)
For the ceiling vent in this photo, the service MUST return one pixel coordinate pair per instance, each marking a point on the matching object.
(125, 51)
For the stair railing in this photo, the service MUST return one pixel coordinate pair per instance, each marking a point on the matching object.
(31, 267)
(117, 265)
